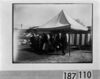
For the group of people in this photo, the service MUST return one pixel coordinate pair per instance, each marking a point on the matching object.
(46, 42)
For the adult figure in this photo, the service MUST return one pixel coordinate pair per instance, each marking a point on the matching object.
(57, 41)
(32, 40)
(44, 42)
(63, 42)
(51, 41)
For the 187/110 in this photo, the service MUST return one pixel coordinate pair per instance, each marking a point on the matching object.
(78, 75)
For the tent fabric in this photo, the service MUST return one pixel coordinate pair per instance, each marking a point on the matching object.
(56, 22)
(75, 25)
(78, 37)
(62, 21)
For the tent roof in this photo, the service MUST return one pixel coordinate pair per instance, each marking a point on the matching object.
(75, 25)
(57, 21)
(62, 21)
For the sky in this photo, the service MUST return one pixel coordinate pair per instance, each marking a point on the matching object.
(30, 15)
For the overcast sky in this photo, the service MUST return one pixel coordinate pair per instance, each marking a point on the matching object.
(38, 14)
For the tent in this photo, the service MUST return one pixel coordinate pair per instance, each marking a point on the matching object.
(62, 21)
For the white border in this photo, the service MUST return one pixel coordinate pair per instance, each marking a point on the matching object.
(6, 38)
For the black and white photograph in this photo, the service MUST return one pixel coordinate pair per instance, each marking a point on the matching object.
(52, 33)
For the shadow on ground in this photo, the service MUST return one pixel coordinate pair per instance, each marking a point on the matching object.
(27, 55)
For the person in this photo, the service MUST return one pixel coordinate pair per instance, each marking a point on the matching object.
(57, 42)
(37, 42)
(44, 42)
(51, 41)
(32, 40)
(63, 42)
(40, 43)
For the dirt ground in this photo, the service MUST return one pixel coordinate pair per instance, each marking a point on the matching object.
(26, 55)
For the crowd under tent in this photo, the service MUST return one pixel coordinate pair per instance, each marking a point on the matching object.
(76, 33)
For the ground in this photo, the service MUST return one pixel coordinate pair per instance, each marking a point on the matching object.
(26, 55)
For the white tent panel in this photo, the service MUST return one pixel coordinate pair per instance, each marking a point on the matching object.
(67, 37)
(89, 35)
(75, 25)
(78, 36)
(83, 39)
(63, 20)
(58, 21)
